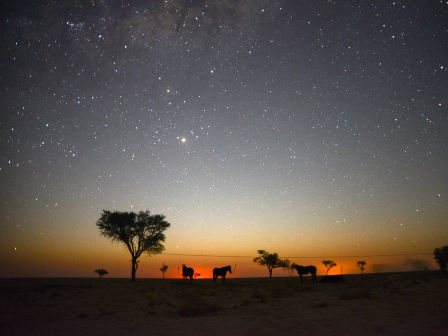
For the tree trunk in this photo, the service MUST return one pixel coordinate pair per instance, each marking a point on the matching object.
(134, 268)
(270, 273)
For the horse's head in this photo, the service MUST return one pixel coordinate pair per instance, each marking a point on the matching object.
(229, 268)
(183, 266)
(296, 267)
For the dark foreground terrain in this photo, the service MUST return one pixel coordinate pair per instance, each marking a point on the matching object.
(370, 304)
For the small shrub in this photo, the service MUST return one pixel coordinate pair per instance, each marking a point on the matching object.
(101, 272)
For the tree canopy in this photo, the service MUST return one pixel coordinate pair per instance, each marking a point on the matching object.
(361, 264)
(139, 232)
(328, 264)
(441, 257)
(163, 269)
(101, 272)
(271, 261)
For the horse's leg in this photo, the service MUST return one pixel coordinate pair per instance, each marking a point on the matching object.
(300, 277)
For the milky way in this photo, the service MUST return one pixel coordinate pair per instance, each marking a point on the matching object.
(302, 127)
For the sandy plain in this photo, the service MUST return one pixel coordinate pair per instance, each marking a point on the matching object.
(371, 304)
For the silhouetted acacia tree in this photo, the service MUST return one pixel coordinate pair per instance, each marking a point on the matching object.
(441, 257)
(163, 269)
(101, 272)
(139, 232)
(271, 261)
(361, 265)
(328, 264)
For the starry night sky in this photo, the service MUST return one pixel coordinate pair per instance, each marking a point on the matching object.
(306, 128)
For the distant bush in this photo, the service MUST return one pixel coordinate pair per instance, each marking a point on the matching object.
(101, 272)
(441, 257)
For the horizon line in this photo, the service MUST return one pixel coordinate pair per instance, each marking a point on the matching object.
(353, 256)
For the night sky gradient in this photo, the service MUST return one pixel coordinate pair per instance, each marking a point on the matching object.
(307, 128)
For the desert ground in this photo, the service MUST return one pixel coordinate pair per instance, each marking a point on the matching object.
(371, 304)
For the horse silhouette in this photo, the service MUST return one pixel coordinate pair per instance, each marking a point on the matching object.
(221, 272)
(303, 270)
(187, 272)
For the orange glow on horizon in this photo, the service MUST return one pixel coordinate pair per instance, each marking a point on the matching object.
(51, 262)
